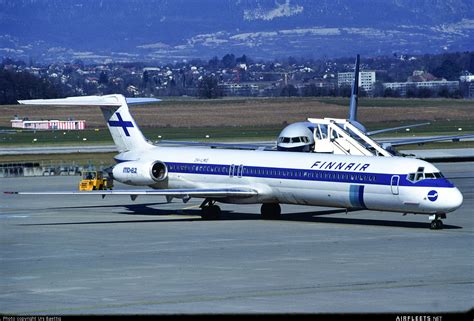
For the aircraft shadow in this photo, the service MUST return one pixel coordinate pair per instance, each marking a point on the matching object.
(133, 207)
(319, 217)
(309, 217)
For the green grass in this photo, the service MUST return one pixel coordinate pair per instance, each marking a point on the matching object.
(398, 102)
(340, 101)
(444, 127)
(102, 136)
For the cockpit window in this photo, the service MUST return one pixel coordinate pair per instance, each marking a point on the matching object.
(286, 139)
(295, 140)
(438, 175)
(418, 176)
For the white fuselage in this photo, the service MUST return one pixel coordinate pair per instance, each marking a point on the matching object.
(376, 183)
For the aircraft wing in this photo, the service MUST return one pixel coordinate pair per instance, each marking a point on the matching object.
(412, 141)
(257, 146)
(385, 130)
(178, 193)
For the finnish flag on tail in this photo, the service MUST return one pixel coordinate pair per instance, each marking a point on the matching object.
(125, 132)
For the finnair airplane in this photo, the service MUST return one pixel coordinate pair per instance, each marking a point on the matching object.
(269, 178)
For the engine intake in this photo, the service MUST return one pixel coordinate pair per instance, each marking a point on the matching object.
(159, 171)
(140, 172)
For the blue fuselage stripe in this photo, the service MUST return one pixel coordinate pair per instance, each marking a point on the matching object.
(342, 176)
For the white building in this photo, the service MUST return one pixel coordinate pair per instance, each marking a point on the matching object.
(242, 89)
(49, 124)
(366, 80)
(467, 78)
(433, 85)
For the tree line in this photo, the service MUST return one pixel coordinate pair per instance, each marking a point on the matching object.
(23, 85)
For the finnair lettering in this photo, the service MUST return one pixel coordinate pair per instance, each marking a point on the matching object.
(130, 170)
(341, 166)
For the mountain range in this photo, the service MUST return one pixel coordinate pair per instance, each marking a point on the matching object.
(176, 30)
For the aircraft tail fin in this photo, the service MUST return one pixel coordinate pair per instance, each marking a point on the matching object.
(125, 132)
(354, 92)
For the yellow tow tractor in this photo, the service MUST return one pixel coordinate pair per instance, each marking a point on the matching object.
(95, 180)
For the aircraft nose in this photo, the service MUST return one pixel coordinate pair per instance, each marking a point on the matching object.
(455, 199)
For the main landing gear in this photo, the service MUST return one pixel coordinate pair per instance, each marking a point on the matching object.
(210, 211)
(270, 211)
(436, 223)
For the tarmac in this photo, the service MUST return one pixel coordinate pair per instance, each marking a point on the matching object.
(75, 255)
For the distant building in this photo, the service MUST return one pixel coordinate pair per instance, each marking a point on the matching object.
(468, 77)
(49, 124)
(366, 80)
(402, 87)
(421, 76)
(242, 89)
(471, 90)
(422, 79)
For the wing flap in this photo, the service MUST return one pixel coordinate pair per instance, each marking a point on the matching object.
(178, 193)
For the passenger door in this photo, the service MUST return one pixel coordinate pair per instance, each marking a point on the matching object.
(394, 182)
(236, 170)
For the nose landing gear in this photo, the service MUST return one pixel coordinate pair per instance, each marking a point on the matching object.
(436, 223)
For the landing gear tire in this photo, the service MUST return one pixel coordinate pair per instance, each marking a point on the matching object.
(436, 224)
(270, 211)
(211, 213)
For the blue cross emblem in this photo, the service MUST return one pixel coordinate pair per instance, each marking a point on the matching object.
(121, 123)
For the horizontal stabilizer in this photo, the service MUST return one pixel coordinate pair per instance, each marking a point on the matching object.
(141, 101)
(108, 100)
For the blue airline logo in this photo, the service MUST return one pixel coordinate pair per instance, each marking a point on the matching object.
(432, 195)
(341, 166)
(121, 123)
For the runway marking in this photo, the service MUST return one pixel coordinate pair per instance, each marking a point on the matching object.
(14, 216)
(52, 290)
(26, 277)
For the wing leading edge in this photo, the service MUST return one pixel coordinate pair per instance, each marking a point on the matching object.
(413, 141)
(178, 193)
